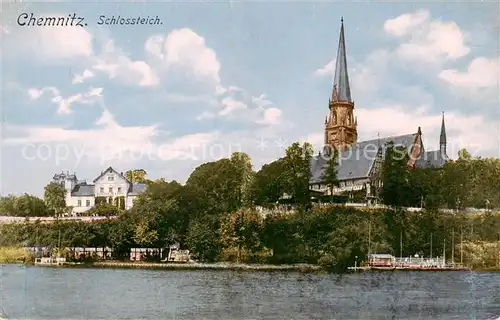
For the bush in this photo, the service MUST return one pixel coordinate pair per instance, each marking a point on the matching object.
(327, 261)
(14, 254)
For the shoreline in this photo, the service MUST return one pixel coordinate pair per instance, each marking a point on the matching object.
(196, 266)
(307, 268)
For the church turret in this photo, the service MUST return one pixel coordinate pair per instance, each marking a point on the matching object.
(442, 138)
(341, 131)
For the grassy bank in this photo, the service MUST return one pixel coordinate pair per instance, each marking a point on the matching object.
(14, 255)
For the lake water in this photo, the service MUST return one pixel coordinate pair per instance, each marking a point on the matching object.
(51, 293)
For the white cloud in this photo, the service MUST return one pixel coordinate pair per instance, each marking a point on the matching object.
(116, 64)
(426, 39)
(220, 90)
(481, 73)
(230, 105)
(406, 23)
(270, 116)
(327, 70)
(79, 78)
(35, 93)
(49, 44)
(261, 101)
(64, 104)
(110, 142)
(475, 133)
(186, 49)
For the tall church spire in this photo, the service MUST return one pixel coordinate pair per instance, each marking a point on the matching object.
(341, 127)
(341, 79)
(442, 137)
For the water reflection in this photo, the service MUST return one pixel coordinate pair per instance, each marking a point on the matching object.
(43, 293)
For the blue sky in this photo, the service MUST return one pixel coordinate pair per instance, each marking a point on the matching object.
(215, 78)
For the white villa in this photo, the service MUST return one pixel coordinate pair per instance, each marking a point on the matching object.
(110, 185)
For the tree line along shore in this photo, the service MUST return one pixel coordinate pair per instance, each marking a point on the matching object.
(214, 215)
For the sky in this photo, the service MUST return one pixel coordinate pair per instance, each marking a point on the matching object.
(214, 78)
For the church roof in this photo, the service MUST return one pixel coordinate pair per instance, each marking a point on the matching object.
(341, 88)
(432, 159)
(357, 161)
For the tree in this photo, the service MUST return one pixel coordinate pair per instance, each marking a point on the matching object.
(330, 173)
(136, 175)
(55, 198)
(243, 166)
(218, 184)
(270, 183)
(23, 206)
(7, 205)
(203, 237)
(242, 229)
(396, 190)
(297, 161)
(458, 181)
(425, 187)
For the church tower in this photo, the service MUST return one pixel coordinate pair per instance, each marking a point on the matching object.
(341, 125)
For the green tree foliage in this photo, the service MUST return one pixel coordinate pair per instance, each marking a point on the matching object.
(55, 198)
(23, 206)
(136, 175)
(156, 211)
(219, 184)
(242, 229)
(395, 177)
(243, 167)
(330, 174)
(297, 162)
(213, 214)
(103, 210)
(203, 238)
(270, 183)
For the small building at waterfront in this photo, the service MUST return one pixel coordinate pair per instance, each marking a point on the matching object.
(109, 186)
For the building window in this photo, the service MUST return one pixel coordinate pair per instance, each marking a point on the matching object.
(79, 203)
(119, 189)
(101, 190)
(87, 203)
(111, 178)
(110, 189)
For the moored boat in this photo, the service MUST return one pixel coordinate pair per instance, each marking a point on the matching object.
(387, 262)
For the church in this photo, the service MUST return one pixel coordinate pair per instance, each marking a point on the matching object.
(359, 163)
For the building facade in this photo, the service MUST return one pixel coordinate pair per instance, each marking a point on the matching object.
(359, 164)
(111, 186)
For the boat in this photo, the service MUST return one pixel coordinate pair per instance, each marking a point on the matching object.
(388, 262)
(50, 261)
